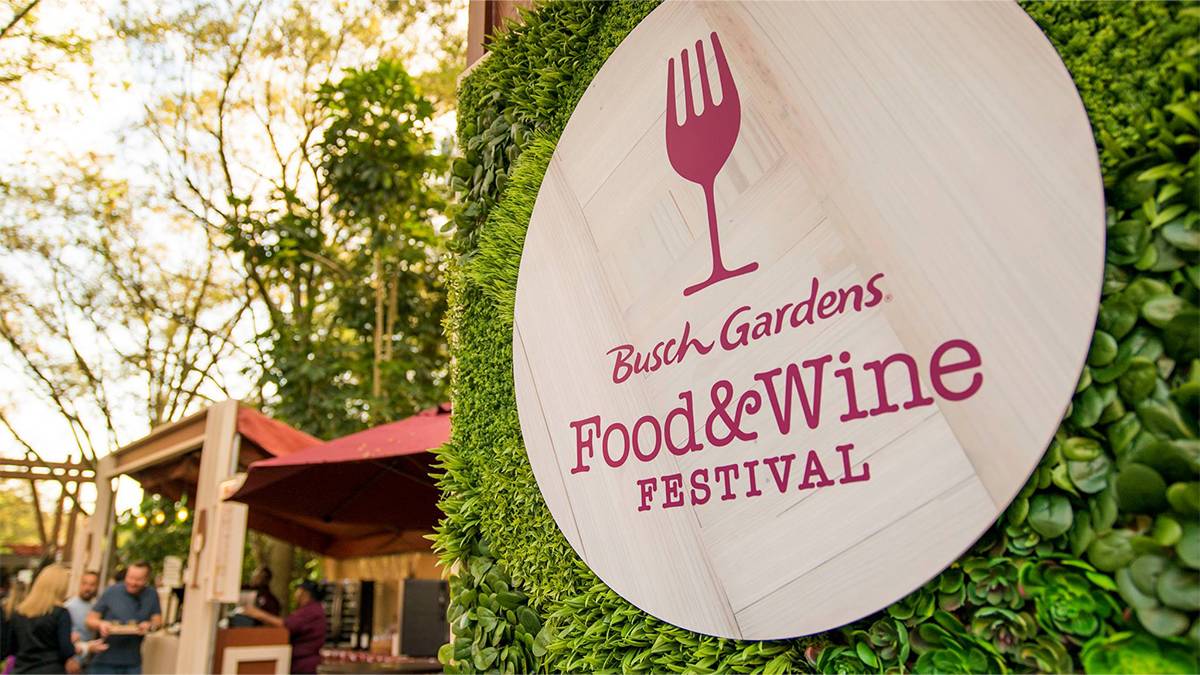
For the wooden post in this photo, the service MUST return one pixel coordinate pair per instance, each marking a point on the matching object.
(68, 547)
(93, 543)
(218, 462)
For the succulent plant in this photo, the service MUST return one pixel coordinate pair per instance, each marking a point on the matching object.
(1069, 596)
(992, 582)
(945, 646)
(1045, 655)
(1004, 628)
(886, 640)
(841, 660)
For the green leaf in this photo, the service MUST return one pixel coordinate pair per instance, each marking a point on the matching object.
(1145, 570)
(1090, 476)
(1117, 316)
(1104, 510)
(1177, 460)
(1140, 489)
(1050, 514)
(1143, 288)
(1087, 407)
(866, 655)
(529, 620)
(1179, 588)
(1161, 309)
(1103, 350)
(1081, 449)
(1163, 621)
(1126, 241)
(1167, 530)
(1138, 380)
(1131, 593)
(1111, 551)
(1181, 338)
(1164, 419)
(484, 658)
(1122, 432)
(1188, 548)
(1185, 498)
(1181, 236)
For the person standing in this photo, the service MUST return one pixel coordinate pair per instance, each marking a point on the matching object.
(305, 626)
(79, 605)
(133, 601)
(264, 599)
(38, 629)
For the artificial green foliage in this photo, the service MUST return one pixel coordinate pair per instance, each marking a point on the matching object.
(1095, 564)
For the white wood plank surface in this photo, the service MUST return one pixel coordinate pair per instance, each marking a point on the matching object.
(941, 144)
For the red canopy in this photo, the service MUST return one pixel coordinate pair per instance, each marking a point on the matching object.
(368, 493)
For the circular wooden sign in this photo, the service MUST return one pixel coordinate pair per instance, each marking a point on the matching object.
(804, 297)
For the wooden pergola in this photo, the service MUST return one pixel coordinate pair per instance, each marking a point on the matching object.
(70, 475)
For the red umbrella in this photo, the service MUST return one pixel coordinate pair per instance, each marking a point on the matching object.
(365, 493)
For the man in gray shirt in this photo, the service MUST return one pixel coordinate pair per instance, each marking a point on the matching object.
(78, 606)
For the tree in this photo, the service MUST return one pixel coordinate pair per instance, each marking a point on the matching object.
(347, 281)
(17, 522)
(158, 528)
(98, 313)
(27, 47)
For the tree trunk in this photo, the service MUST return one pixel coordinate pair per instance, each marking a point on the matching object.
(72, 517)
(376, 381)
(37, 514)
(279, 560)
(58, 519)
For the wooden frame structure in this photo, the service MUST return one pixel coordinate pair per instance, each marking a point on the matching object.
(69, 475)
(204, 448)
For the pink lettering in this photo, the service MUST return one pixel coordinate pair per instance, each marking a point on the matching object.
(937, 370)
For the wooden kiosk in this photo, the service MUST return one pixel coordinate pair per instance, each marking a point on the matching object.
(194, 457)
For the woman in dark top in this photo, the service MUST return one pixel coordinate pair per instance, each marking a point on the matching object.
(38, 632)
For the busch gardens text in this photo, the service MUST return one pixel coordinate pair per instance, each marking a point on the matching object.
(792, 395)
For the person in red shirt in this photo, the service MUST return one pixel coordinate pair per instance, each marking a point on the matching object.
(264, 599)
(305, 626)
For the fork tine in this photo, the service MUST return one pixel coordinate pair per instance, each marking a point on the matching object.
(687, 87)
(671, 118)
(728, 88)
(705, 88)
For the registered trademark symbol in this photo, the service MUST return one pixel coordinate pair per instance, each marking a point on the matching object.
(887, 298)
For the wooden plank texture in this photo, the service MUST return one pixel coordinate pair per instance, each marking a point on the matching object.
(940, 145)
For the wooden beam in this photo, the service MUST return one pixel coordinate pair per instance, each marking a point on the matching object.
(21, 475)
(163, 443)
(33, 463)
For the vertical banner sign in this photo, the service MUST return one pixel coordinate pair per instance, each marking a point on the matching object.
(804, 297)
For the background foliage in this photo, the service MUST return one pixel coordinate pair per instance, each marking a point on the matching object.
(1093, 567)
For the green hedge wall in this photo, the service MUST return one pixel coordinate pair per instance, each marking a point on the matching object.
(1093, 567)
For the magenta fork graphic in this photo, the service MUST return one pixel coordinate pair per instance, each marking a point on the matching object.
(699, 147)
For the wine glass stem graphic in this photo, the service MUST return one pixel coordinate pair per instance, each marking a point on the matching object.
(719, 272)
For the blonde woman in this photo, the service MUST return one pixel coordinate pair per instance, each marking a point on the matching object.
(39, 627)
